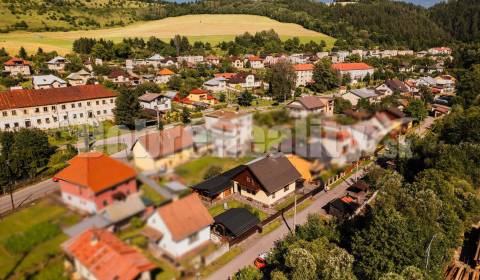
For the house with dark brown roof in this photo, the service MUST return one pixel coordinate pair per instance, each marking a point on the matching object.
(163, 150)
(17, 66)
(267, 180)
(310, 105)
(182, 226)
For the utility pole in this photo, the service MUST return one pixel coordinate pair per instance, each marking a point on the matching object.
(295, 214)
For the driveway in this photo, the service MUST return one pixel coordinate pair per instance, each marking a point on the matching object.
(259, 244)
(28, 194)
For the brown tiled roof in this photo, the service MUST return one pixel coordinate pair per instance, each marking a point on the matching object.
(24, 98)
(96, 171)
(149, 97)
(16, 61)
(310, 102)
(166, 142)
(396, 84)
(274, 172)
(185, 216)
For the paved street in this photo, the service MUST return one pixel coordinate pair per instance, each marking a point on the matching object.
(27, 194)
(260, 244)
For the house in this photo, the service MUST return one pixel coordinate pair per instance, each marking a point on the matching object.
(118, 76)
(155, 60)
(236, 62)
(303, 167)
(218, 187)
(231, 132)
(342, 208)
(244, 81)
(234, 223)
(57, 63)
(440, 51)
(169, 62)
(212, 60)
(267, 180)
(190, 59)
(355, 95)
(217, 84)
(79, 78)
(155, 101)
(47, 81)
(392, 86)
(340, 56)
(298, 58)
(130, 64)
(197, 98)
(304, 74)
(98, 254)
(56, 107)
(17, 66)
(163, 150)
(93, 180)
(356, 71)
(183, 226)
(255, 62)
(310, 105)
(163, 76)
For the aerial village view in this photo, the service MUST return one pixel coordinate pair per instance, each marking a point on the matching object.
(240, 140)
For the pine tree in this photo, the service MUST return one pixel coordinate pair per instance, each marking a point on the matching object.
(127, 108)
(22, 53)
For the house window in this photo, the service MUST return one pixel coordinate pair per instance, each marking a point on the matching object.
(286, 188)
(47, 120)
(37, 110)
(105, 203)
(45, 109)
(55, 119)
(97, 102)
(104, 101)
(81, 115)
(63, 107)
(79, 105)
(98, 112)
(74, 116)
(25, 112)
(88, 103)
(4, 114)
(73, 105)
(105, 112)
(273, 195)
(111, 100)
(39, 121)
(28, 123)
(7, 126)
(14, 113)
(193, 238)
(65, 117)
(54, 108)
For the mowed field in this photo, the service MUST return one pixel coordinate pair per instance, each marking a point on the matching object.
(206, 28)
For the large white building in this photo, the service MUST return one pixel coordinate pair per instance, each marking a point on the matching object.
(304, 74)
(356, 71)
(56, 107)
(231, 132)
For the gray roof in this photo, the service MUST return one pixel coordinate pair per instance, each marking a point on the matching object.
(121, 210)
(364, 93)
(156, 57)
(57, 59)
(274, 172)
(47, 80)
(97, 221)
(175, 186)
(215, 81)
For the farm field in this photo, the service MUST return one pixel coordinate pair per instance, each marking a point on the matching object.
(206, 28)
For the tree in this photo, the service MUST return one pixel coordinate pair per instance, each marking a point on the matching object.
(127, 108)
(281, 78)
(248, 273)
(324, 76)
(212, 171)
(22, 53)
(416, 109)
(185, 115)
(341, 105)
(302, 263)
(245, 99)
(468, 87)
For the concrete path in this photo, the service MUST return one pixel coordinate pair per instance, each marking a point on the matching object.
(260, 244)
(28, 194)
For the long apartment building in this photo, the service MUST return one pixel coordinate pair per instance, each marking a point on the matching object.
(56, 107)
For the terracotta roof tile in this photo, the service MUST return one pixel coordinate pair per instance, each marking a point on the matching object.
(303, 67)
(185, 216)
(16, 61)
(106, 256)
(351, 66)
(24, 98)
(96, 171)
(198, 91)
(165, 72)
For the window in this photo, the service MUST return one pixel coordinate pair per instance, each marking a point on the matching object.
(88, 103)
(65, 117)
(112, 100)
(97, 102)
(64, 107)
(37, 110)
(39, 121)
(105, 112)
(273, 195)
(7, 126)
(14, 113)
(81, 115)
(105, 203)
(90, 114)
(193, 238)
(28, 123)
(73, 105)
(4, 114)
(74, 116)
(55, 119)
(98, 112)
(79, 105)
(25, 112)
(286, 188)
(45, 109)
(47, 120)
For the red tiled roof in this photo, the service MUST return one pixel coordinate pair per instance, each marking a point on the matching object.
(96, 171)
(16, 61)
(31, 98)
(185, 216)
(255, 58)
(303, 67)
(165, 72)
(198, 91)
(351, 66)
(225, 75)
(166, 142)
(106, 256)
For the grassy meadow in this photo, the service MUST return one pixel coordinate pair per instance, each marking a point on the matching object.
(206, 28)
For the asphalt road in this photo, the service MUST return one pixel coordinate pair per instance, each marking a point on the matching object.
(260, 244)
(27, 194)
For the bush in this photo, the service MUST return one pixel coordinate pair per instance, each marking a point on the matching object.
(21, 243)
(136, 222)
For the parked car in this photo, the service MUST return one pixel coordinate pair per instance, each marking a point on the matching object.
(261, 261)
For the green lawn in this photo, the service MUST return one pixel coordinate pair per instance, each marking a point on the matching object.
(266, 138)
(151, 194)
(110, 149)
(43, 211)
(218, 209)
(193, 171)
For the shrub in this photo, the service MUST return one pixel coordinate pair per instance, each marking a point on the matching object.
(21, 243)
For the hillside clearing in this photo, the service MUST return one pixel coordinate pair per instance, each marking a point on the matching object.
(206, 28)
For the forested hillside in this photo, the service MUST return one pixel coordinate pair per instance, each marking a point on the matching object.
(461, 18)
